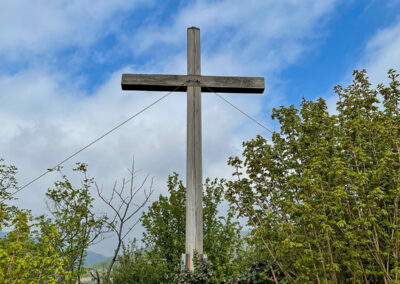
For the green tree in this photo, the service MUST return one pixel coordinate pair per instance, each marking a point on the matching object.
(8, 184)
(72, 214)
(29, 255)
(164, 224)
(164, 235)
(27, 252)
(322, 199)
(134, 266)
(223, 242)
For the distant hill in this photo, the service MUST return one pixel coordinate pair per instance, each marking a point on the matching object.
(101, 265)
(93, 257)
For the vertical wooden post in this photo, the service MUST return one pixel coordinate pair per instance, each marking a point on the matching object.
(194, 193)
(157, 82)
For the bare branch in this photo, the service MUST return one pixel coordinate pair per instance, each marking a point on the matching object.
(108, 202)
(123, 207)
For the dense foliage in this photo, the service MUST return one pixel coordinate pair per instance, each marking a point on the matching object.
(47, 249)
(28, 252)
(71, 208)
(323, 198)
(202, 273)
(135, 266)
(164, 236)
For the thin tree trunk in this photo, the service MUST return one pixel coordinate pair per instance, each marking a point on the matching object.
(113, 260)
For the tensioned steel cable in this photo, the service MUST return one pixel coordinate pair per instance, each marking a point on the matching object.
(238, 109)
(96, 140)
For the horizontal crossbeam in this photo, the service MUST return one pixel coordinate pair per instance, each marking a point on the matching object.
(179, 83)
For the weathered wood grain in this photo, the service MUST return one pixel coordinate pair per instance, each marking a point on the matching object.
(194, 167)
(179, 83)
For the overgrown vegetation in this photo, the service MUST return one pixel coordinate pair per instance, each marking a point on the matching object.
(164, 238)
(28, 253)
(72, 214)
(323, 198)
(321, 202)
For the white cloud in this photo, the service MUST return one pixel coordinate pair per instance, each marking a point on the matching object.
(382, 53)
(41, 26)
(260, 35)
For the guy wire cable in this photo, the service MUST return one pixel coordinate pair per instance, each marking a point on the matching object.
(238, 109)
(96, 140)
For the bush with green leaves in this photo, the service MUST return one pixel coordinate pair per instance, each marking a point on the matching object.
(134, 266)
(164, 236)
(28, 252)
(202, 273)
(71, 209)
(323, 198)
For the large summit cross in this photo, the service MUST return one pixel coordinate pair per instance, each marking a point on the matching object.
(193, 83)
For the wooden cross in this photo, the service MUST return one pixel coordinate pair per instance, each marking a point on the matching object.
(193, 83)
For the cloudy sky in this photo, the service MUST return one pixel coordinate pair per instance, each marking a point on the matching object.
(61, 64)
